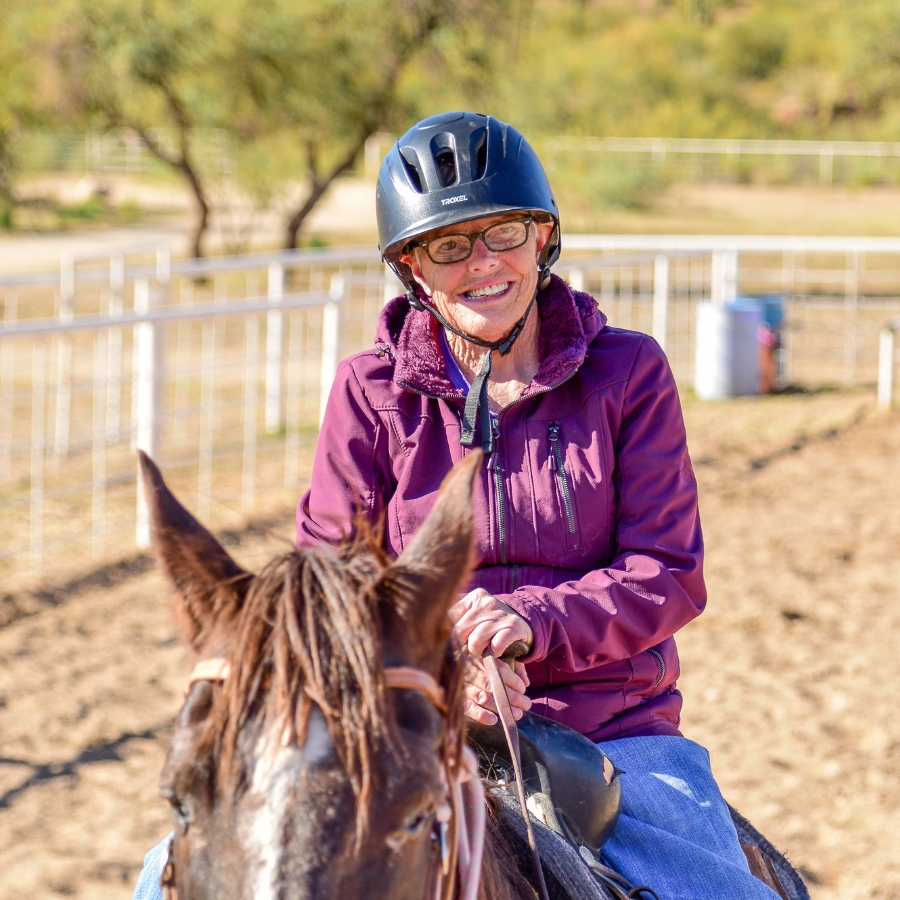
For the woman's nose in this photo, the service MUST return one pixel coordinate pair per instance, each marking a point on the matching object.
(482, 257)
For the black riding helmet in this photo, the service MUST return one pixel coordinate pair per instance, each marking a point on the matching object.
(449, 169)
(452, 168)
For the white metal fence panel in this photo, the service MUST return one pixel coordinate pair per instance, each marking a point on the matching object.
(217, 368)
(836, 294)
(220, 368)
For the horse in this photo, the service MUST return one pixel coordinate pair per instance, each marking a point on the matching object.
(320, 746)
(320, 751)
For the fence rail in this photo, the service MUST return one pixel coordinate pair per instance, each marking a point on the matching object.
(823, 162)
(221, 367)
(686, 159)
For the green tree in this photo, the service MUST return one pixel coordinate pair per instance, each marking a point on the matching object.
(326, 75)
(297, 84)
(18, 78)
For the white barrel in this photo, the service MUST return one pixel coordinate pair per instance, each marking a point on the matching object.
(727, 349)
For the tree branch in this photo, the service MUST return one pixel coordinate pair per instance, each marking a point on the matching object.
(182, 162)
(319, 186)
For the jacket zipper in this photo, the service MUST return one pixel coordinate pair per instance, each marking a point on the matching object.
(557, 463)
(494, 463)
(662, 666)
(500, 489)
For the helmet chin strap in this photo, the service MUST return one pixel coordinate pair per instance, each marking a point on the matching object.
(477, 404)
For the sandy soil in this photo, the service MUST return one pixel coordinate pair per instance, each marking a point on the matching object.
(789, 677)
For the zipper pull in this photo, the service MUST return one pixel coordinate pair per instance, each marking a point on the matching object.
(553, 434)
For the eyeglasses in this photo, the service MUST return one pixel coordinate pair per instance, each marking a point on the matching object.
(454, 248)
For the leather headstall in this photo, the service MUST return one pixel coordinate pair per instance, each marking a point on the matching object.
(460, 841)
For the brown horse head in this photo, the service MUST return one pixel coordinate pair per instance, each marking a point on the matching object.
(301, 775)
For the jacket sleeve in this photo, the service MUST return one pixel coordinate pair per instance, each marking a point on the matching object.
(654, 584)
(351, 474)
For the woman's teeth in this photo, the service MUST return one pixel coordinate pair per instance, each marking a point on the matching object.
(487, 291)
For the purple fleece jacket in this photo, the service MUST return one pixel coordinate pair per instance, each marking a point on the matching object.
(586, 514)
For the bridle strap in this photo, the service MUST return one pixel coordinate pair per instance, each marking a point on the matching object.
(409, 678)
(468, 840)
(511, 731)
(216, 668)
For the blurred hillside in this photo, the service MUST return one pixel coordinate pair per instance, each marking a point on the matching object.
(255, 107)
(802, 69)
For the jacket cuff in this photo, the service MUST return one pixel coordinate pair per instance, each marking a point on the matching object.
(529, 608)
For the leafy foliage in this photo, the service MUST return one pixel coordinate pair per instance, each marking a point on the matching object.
(297, 85)
(294, 87)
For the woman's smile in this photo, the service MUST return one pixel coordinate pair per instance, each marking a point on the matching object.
(490, 291)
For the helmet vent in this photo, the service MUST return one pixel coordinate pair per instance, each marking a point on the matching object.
(479, 153)
(446, 167)
(411, 166)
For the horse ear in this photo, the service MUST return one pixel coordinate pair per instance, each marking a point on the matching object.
(210, 585)
(429, 573)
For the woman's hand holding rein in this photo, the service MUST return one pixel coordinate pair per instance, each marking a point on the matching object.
(483, 621)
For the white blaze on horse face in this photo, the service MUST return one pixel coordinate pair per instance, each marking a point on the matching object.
(278, 770)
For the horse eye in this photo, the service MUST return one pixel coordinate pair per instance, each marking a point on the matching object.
(181, 811)
(416, 824)
(413, 827)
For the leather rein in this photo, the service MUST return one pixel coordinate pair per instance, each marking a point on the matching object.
(460, 821)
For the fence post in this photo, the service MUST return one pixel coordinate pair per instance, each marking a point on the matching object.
(37, 457)
(273, 350)
(331, 324)
(98, 450)
(64, 358)
(7, 388)
(886, 340)
(147, 381)
(851, 304)
(724, 276)
(114, 350)
(251, 389)
(660, 315)
(575, 277)
(164, 267)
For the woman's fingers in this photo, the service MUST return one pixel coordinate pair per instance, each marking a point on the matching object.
(476, 675)
(478, 699)
(522, 672)
(478, 713)
(497, 633)
(481, 621)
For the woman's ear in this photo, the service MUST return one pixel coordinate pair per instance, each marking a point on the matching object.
(544, 230)
(411, 260)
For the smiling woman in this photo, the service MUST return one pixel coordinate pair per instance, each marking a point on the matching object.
(482, 277)
(587, 542)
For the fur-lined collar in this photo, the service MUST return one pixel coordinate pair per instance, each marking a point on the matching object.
(569, 321)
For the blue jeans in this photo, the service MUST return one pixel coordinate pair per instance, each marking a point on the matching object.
(675, 833)
(148, 887)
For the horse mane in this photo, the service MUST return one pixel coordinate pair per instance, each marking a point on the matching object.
(310, 631)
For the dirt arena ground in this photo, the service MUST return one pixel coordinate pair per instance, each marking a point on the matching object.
(789, 678)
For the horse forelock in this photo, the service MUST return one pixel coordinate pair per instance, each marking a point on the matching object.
(309, 633)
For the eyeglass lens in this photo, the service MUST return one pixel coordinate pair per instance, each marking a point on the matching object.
(456, 247)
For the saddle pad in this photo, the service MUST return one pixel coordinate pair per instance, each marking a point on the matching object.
(791, 882)
(567, 876)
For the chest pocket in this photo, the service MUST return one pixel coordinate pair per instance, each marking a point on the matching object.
(556, 459)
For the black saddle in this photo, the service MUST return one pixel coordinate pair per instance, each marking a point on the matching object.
(572, 786)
